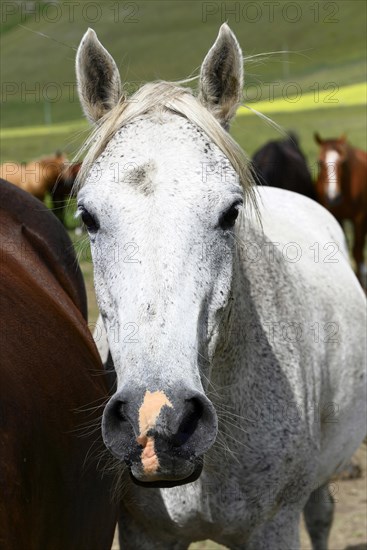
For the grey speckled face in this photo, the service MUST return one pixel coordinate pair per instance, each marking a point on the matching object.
(170, 197)
(160, 204)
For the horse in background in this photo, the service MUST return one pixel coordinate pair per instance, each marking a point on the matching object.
(54, 493)
(38, 176)
(61, 191)
(281, 163)
(341, 187)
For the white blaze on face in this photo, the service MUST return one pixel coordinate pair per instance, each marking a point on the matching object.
(331, 159)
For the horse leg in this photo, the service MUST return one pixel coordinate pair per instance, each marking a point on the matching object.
(358, 246)
(318, 514)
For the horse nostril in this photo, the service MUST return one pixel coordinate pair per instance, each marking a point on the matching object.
(189, 423)
(117, 427)
(120, 412)
(117, 411)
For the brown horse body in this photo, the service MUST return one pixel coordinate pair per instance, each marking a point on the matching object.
(37, 177)
(343, 170)
(52, 492)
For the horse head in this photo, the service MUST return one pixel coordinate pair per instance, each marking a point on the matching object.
(68, 176)
(160, 190)
(51, 169)
(331, 161)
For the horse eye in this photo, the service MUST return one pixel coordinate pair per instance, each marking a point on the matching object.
(89, 221)
(229, 217)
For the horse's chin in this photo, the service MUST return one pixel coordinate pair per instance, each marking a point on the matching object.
(166, 480)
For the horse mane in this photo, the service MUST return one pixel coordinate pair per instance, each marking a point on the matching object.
(159, 97)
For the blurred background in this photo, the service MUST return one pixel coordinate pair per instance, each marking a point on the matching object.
(305, 69)
(317, 84)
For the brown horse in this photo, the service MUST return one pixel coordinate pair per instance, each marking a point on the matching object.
(342, 188)
(37, 177)
(53, 494)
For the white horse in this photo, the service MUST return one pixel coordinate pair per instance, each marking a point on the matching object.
(238, 346)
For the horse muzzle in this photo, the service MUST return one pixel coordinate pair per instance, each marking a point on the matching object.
(161, 437)
(171, 472)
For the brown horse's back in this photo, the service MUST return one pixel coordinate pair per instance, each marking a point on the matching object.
(52, 495)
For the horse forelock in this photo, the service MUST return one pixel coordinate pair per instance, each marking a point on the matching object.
(161, 97)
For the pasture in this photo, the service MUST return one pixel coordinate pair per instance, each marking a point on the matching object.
(159, 39)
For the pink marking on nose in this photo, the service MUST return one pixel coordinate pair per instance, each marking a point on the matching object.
(148, 413)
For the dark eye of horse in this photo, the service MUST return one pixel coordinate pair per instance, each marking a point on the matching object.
(89, 221)
(229, 217)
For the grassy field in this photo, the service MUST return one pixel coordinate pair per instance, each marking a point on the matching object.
(153, 39)
(294, 100)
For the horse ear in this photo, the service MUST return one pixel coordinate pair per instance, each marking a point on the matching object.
(221, 77)
(99, 84)
(317, 138)
(343, 138)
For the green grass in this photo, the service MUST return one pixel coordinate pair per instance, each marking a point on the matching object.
(250, 131)
(31, 147)
(169, 39)
(294, 101)
(35, 131)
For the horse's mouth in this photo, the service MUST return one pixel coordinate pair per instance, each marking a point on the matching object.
(187, 473)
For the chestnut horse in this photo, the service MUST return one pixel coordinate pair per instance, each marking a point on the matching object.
(52, 492)
(342, 188)
(37, 177)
